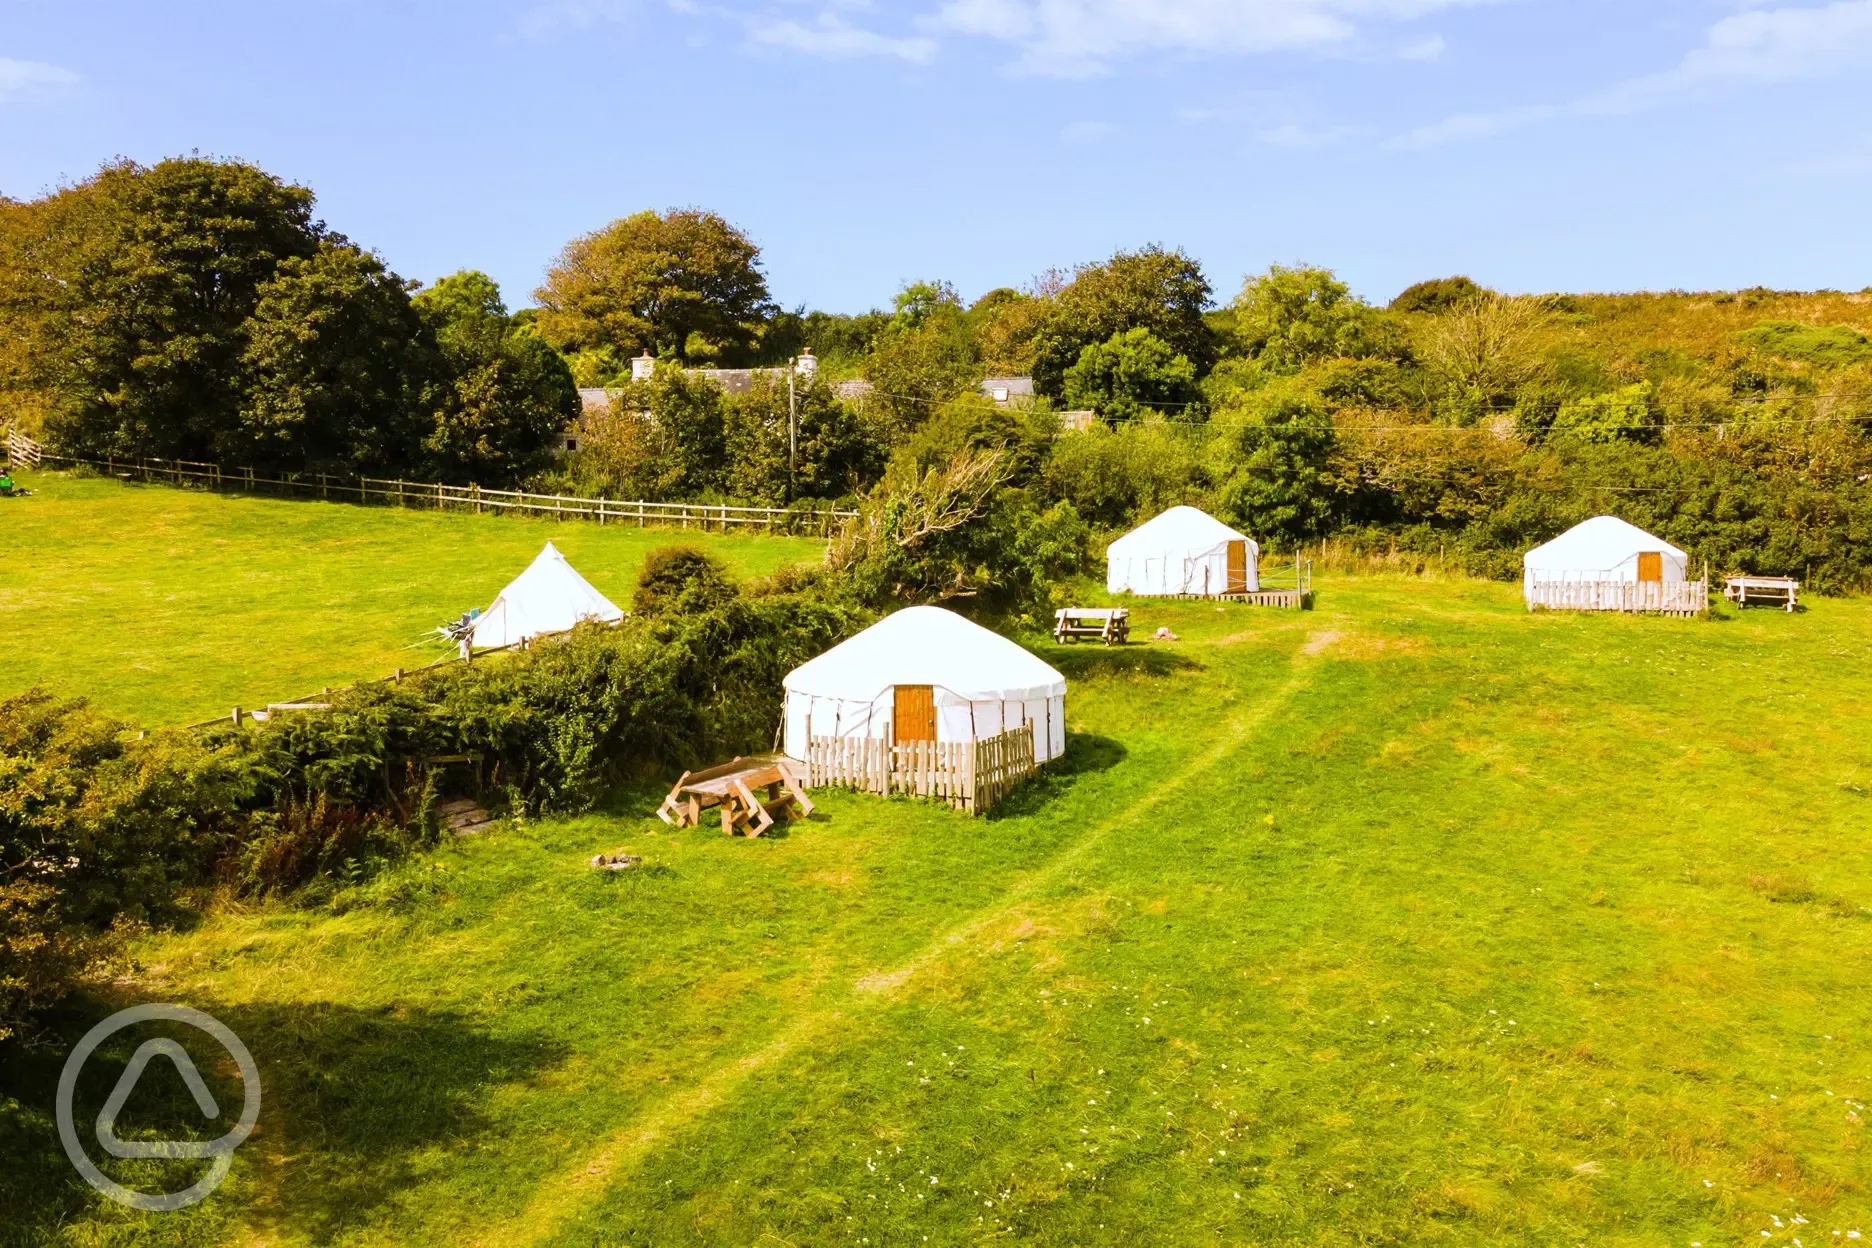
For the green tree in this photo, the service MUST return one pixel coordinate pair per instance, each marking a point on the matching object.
(1437, 295)
(837, 454)
(1272, 463)
(1287, 318)
(924, 357)
(1119, 477)
(1628, 414)
(335, 365)
(501, 397)
(1006, 324)
(1162, 291)
(1130, 374)
(683, 285)
(144, 281)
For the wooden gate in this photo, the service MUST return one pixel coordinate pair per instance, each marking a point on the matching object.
(1238, 567)
(1650, 566)
(914, 713)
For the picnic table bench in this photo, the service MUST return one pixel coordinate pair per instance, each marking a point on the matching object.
(1111, 625)
(734, 788)
(1782, 591)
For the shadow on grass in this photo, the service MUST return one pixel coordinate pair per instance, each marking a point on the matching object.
(1086, 754)
(353, 1097)
(1089, 662)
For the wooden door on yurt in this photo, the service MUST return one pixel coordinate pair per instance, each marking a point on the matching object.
(1650, 566)
(1238, 567)
(914, 713)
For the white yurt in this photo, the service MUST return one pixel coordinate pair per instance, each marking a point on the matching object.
(1183, 551)
(926, 674)
(1604, 549)
(549, 597)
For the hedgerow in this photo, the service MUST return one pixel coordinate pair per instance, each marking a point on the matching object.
(100, 829)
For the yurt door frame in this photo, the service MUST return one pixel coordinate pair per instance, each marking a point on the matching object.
(913, 713)
(1238, 567)
(1650, 566)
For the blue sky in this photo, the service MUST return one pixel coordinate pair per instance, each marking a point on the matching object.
(1533, 144)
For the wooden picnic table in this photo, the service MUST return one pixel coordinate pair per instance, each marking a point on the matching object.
(1782, 591)
(733, 788)
(1111, 625)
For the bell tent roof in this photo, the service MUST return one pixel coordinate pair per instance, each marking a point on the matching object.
(927, 646)
(549, 597)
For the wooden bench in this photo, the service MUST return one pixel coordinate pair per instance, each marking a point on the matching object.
(1111, 625)
(1781, 591)
(735, 789)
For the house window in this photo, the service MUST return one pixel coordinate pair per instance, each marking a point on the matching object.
(571, 444)
(1000, 394)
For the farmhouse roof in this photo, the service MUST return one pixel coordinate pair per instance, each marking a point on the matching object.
(927, 646)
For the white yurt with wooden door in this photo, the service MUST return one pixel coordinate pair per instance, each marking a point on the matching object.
(1603, 550)
(1185, 551)
(549, 597)
(926, 674)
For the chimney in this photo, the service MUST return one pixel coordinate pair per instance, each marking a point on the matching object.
(643, 366)
(807, 365)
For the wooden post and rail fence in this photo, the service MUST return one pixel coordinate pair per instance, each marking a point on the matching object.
(969, 775)
(719, 517)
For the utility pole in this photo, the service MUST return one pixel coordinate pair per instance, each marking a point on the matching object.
(792, 431)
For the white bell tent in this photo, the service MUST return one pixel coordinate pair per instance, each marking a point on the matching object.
(549, 597)
(925, 674)
(1185, 551)
(1604, 549)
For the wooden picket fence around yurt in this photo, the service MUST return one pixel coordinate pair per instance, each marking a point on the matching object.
(969, 775)
(1634, 597)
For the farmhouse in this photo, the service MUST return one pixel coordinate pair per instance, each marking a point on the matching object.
(549, 597)
(1606, 564)
(594, 400)
(925, 674)
(1185, 552)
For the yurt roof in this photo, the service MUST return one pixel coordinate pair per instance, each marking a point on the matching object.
(1180, 528)
(927, 646)
(1601, 542)
(549, 597)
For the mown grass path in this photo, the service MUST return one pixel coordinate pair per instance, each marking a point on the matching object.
(612, 1162)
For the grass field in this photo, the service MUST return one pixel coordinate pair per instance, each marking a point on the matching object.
(168, 606)
(1411, 919)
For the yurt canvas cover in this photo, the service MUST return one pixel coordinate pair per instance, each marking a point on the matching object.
(1183, 551)
(925, 671)
(1605, 548)
(549, 597)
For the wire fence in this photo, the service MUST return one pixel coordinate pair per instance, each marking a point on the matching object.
(716, 517)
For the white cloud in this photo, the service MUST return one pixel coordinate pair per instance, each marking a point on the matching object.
(1759, 46)
(832, 37)
(1427, 49)
(32, 80)
(553, 16)
(1299, 136)
(1075, 38)
(1089, 133)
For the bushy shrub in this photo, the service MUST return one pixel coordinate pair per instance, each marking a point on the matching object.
(1829, 345)
(682, 579)
(1437, 295)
